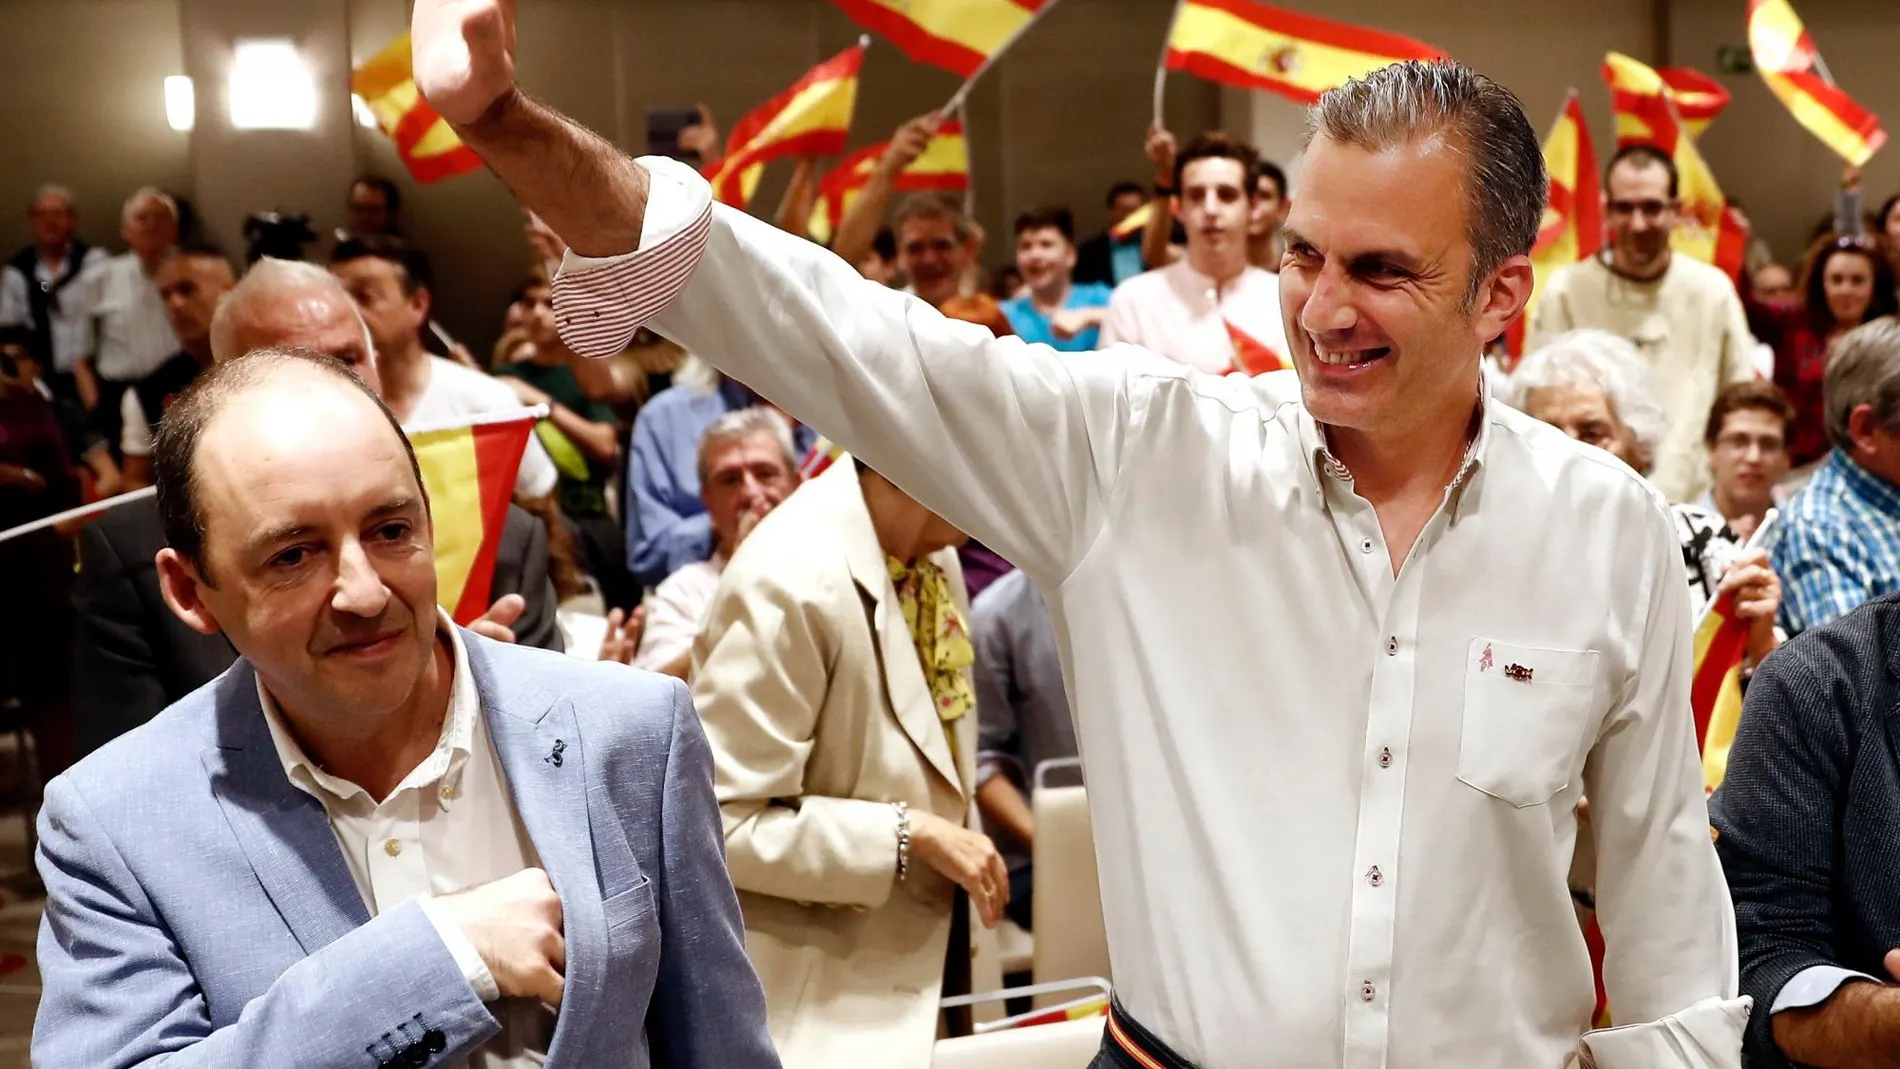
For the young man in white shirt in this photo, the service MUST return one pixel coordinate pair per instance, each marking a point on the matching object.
(1205, 309)
(1343, 665)
(391, 282)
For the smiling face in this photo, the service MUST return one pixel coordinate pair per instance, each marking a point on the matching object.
(1045, 258)
(317, 547)
(935, 258)
(1642, 215)
(1847, 279)
(1373, 288)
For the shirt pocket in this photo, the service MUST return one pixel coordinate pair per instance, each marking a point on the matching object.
(1526, 710)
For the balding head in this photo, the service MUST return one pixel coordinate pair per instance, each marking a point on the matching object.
(289, 303)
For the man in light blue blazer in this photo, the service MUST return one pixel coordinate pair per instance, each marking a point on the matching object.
(378, 841)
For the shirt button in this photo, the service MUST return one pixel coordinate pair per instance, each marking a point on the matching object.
(1366, 991)
(392, 847)
(1392, 646)
(448, 792)
(1375, 877)
(1365, 545)
(1385, 757)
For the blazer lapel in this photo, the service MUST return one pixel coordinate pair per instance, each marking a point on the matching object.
(904, 681)
(542, 756)
(283, 831)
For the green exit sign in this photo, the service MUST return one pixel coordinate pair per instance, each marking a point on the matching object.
(1734, 59)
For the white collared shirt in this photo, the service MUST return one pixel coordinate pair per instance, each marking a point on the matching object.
(450, 824)
(1184, 315)
(1333, 808)
(132, 334)
(69, 321)
(676, 611)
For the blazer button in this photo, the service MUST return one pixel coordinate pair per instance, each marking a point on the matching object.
(434, 1041)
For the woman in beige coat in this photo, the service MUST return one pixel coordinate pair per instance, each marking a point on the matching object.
(832, 676)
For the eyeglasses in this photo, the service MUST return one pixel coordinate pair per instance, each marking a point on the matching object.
(939, 246)
(1651, 209)
(1737, 442)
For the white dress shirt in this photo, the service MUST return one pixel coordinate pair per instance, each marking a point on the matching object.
(676, 611)
(69, 322)
(449, 825)
(1182, 314)
(1333, 806)
(132, 334)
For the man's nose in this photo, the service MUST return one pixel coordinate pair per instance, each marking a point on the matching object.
(1328, 308)
(359, 588)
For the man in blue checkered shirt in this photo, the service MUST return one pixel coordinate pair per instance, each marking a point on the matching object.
(1839, 546)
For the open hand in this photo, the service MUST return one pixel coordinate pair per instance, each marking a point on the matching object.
(497, 624)
(622, 639)
(463, 55)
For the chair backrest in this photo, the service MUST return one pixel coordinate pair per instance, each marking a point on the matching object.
(1064, 1045)
(1070, 939)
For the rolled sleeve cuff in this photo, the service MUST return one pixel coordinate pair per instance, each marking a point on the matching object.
(1706, 1035)
(1813, 986)
(599, 302)
(467, 958)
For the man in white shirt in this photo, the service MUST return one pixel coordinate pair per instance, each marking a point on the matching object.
(1212, 309)
(1341, 666)
(39, 290)
(132, 335)
(191, 282)
(746, 467)
(391, 282)
(384, 840)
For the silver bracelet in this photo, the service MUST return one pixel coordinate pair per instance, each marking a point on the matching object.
(903, 839)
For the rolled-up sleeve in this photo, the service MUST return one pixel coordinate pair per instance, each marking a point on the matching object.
(602, 301)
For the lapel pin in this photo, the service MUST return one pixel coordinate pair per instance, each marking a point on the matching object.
(1517, 673)
(554, 756)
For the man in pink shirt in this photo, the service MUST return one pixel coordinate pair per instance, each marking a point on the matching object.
(1211, 309)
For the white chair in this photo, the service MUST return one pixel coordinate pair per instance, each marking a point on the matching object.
(1070, 937)
(1062, 1045)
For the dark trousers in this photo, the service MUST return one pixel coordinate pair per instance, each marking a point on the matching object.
(1127, 1045)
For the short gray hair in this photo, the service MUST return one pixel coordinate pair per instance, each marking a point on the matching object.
(53, 189)
(1506, 186)
(266, 283)
(144, 193)
(1599, 359)
(1863, 370)
(743, 423)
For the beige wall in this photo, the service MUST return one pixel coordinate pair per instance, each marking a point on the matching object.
(82, 104)
(1059, 119)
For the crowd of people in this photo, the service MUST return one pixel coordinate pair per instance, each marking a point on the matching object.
(866, 588)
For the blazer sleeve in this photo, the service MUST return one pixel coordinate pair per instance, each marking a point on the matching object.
(762, 668)
(521, 567)
(708, 1008)
(117, 991)
(1776, 819)
(117, 684)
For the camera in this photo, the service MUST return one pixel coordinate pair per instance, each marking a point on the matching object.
(276, 234)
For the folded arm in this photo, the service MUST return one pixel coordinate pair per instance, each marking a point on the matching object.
(118, 991)
(1668, 926)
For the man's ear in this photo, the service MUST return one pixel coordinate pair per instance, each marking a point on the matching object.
(181, 584)
(1504, 297)
(1861, 426)
(422, 301)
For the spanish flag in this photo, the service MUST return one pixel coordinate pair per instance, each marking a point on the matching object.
(812, 118)
(945, 164)
(1136, 222)
(1079, 1010)
(1254, 46)
(1251, 355)
(1785, 54)
(824, 453)
(1646, 112)
(468, 471)
(957, 35)
(423, 139)
(1715, 691)
(1572, 229)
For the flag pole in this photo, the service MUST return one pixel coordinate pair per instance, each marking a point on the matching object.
(1754, 541)
(80, 513)
(969, 189)
(1161, 65)
(456, 423)
(963, 91)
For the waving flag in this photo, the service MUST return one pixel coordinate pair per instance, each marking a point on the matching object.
(958, 35)
(811, 118)
(1251, 355)
(1136, 222)
(1715, 693)
(1572, 229)
(1647, 113)
(944, 164)
(468, 470)
(1255, 46)
(428, 148)
(1791, 65)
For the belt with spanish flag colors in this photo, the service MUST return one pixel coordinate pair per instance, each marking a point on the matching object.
(1127, 1045)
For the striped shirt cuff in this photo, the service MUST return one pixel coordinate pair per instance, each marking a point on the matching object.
(600, 302)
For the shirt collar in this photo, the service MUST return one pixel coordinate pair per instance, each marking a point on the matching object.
(444, 763)
(1321, 464)
(1869, 487)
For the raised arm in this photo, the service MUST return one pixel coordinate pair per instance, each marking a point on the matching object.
(1668, 927)
(1015, 444)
